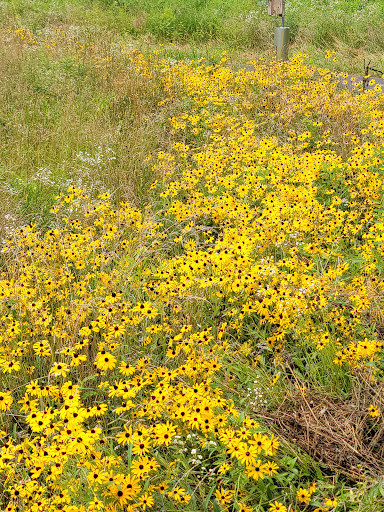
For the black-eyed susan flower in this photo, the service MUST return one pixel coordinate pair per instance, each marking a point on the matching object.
(6, 400)
(276, 506)
(303, 495)
(331, 502)
(105, 361)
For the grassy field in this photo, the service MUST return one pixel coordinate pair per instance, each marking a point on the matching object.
(191, 277)
(353, 28)
(60, 85)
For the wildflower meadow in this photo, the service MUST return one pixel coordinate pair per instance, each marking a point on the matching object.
(191, 281)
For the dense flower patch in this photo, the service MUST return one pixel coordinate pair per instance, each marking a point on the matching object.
(121, 330)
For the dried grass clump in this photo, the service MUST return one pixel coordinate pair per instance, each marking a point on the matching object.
(339, 433)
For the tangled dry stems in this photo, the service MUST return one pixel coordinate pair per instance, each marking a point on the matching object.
(339, 433)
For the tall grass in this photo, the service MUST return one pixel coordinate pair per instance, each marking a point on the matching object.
(351, 28)
(69, 115)
(245, 23)
(62, 108)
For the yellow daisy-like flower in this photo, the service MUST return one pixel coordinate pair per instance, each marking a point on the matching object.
(105, 361)
(11, 366)
(6, 400)
(247, 454)
(126, 436)
(256, 471)
(277, 507)
(142, 447)
(303, 495)
(331, 502)
(224, 496)
(312, 487)
(223, 468)
(163, 433)
(373, 411)
(270, 468)
(146, 501)
(59, 369)
(120, 494)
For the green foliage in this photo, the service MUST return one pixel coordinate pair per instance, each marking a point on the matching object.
(325, 23)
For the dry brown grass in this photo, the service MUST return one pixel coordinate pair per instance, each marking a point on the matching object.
(61, 102)
(338, 433)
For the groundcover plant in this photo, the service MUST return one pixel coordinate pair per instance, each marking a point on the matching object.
(140, 349)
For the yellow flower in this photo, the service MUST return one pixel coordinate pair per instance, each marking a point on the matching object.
(119, 493)
(6, 400)
(374, 411)
(60, 369)
(247, 454)
(163, 433)
(146, 501)
(270, 468)
(123, 491)
(244, 508)
(277, 507)
(223, 468)
(126, 436)
(224, 496)
(141, 447)
(331, 502)
(42, 348)
(303, 495)
(11, 366)
(105, 361)
(256, 470)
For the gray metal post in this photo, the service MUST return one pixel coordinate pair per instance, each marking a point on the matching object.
(281, 42)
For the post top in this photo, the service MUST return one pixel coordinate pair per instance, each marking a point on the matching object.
(276, 7)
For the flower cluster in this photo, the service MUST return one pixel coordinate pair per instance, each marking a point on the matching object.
(109, 386)
(124, 333)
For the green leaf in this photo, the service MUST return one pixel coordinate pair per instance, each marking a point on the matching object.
(129, 454)
(206, 501)
(88, 394)
(216, 507)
